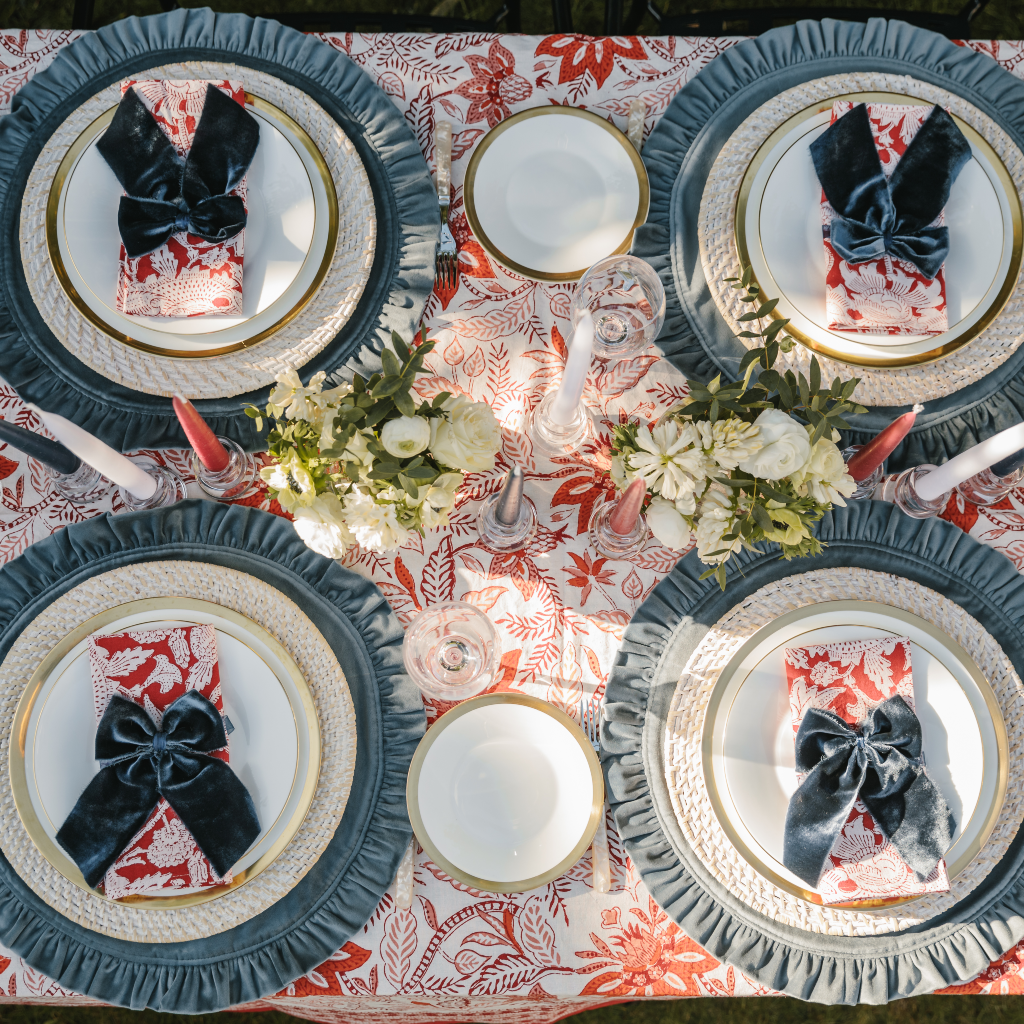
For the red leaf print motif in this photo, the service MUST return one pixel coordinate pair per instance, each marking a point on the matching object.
(580, 54)
(399, 946)
(7, 467)
(494, 86)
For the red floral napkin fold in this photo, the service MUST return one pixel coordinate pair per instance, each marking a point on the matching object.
(849, 679)
(186, 276)
(885, 296)
(153, 668)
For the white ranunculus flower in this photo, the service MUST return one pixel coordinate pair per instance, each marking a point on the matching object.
(292, 482)
(667, 524)
(405, 436)
(823, 476)
(467, 437)
(716, 520)
(670, 460)
(784, 450)
(322, 526)
(374, 526)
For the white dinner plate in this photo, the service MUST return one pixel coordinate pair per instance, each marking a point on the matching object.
(274, 746)
(552, 190)
(287, 236)
(748, 747)
(505, 792)
(778, 229)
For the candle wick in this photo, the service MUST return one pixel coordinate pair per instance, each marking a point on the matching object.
(918, 408)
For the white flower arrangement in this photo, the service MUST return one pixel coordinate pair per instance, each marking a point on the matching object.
(733, 465)
(362, 464)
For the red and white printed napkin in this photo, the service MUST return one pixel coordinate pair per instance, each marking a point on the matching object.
(185, 276)
(884, 296)
(849, 679)
(153, 668)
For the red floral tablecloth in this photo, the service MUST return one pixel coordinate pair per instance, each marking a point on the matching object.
(459, 954)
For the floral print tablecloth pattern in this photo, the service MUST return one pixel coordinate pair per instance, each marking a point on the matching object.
(459, 954)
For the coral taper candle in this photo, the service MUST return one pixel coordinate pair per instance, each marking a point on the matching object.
(945, 477)
(574, 379)
(54, 455)
(863, 463)
(113, 465)
(627, 509)
(211, 453)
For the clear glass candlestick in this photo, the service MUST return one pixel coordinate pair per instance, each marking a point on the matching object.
(985, 488)
(865, 487)
(85, 486)
(239, 479)
(902, 491)
(506, 536)
(554, 438)
(170, 488)
(626, 298)
(608, 542)
(452, 651)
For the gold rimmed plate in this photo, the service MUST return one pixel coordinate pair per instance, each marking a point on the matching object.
(275, 745)
(290, 240)
(778, 234)
(747, 742)
(505, 792)
(552, 190)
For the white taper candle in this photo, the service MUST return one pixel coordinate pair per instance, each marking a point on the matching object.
(574, 379)
(966, 464)
(113, 465)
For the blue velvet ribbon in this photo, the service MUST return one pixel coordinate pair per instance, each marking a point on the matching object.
(880, 763)
(166, 194)
(144, 763)
(878, 215)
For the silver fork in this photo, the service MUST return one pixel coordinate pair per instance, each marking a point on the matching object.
(591, 721)
(445, 258)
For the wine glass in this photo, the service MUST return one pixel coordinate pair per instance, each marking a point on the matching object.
(452, 651)
(627, 301)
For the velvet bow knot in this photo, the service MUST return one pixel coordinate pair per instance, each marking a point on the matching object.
(880, 763)
(876, 215)
(144, 763)
(166, 194)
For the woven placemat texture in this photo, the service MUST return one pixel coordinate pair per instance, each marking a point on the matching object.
(720, 257)
(281, 617)
(233, 373)
(683, 735)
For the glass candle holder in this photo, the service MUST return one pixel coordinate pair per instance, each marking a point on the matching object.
(865, 487)
(985, 488)
(170, 488)
(499, 536)
(84, 487)
(239, 479)
(903, 492)
(611, 544)
(555, 438)
(452, 651)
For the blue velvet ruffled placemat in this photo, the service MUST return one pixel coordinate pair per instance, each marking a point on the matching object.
(946, 950)
(686, 141)
(340, 891)
(45, 372)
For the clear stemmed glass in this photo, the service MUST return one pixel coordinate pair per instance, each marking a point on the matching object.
(627, 301)
(452, 651)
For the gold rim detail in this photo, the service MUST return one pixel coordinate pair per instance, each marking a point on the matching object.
(53, 854)
(67, 165)
(474, 163)
(413, 783)
(896, 360)
(963, 856)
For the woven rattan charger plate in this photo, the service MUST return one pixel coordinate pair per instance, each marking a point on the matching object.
(694, 806)
(281, 869)
(976, 356)
(298, 336)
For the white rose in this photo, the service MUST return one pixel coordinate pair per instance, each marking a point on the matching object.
(406, 436)
(667, 524)
(824, 477)
(467, 438)
(785, 450)
(322, 526)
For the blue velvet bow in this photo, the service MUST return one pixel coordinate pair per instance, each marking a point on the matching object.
(145, 763)
(881, 763)
(878, 216)
(167, 194)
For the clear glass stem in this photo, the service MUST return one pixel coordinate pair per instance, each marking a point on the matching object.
(239, 479)
(865, 488)
(616, 545)
(985, 488)
(170, 488)
(558, 438)
(498, 536)
(905, 495)
(84, 487)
